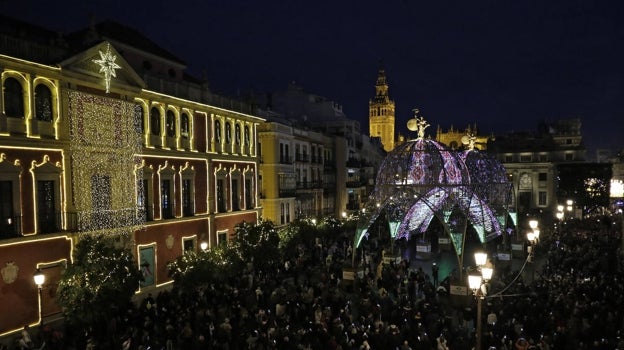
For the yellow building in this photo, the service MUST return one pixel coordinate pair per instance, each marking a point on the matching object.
(455, 138)
(381, 113)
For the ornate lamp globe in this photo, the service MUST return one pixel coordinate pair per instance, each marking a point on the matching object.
(39, 278)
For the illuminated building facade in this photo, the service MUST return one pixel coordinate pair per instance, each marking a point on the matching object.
(314, 160)
(531, 160)
(381, 113)
(98, 136)
(455, 139)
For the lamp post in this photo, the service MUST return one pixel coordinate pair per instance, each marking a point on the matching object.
(559, 217)
(39, 279)
(569, 207)
(532, 238)
(203, 245)
(476, 282)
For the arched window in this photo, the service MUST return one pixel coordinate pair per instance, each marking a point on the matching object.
(155, 121)
(43, 103)
(13, 98)
(184, 125)
(171, 127)
(247, 135)
(218, 132)
(237, 134)
(228, 133)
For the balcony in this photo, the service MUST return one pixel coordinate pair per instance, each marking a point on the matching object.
(309, 184)
(287, 192)
(354, 163)
(48, 222)
(353, 206)
(10, 226)
(302, 157)
(356, 183)
(104, 219)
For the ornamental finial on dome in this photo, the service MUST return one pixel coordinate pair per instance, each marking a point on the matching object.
(417, 123)
(469, 140)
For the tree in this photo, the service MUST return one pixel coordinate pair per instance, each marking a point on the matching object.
(587, 184)
(194, 269)
(101, 277)
(257, 244)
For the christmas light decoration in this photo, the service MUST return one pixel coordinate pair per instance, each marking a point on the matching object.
(107, 66)
(104, 146)
(421, 179)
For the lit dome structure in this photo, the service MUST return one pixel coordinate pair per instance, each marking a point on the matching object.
(422, 179)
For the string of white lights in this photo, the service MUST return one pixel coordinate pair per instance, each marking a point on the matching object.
(104, 144)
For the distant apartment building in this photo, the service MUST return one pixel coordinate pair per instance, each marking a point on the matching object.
(314, 161)
(531, 160)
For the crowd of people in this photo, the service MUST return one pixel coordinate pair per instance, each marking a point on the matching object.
(574, 301)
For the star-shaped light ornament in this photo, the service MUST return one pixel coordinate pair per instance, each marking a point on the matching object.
(107, 66)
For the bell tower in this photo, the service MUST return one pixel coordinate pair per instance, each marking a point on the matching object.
(381, 113)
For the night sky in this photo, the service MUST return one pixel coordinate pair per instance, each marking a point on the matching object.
(504, 65)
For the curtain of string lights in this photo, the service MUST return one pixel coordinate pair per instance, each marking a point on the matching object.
(105, 141)
(422, 179)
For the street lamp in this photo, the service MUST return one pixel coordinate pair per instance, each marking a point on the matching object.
(203, 245)
(39, 279)
(476, 282)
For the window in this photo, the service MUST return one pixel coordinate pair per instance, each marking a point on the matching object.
(542, 198)
(166, 200)
(46, 210)
(247, 136)
(184, 125)
(218, 132)
(10, 221)
(171, 127)
(249, 204)
(7, 221)
(508, 159)
(222, 237)
(47, 196)
(228, 133)
(43, 103)
(155, 121)
(287, 212)
(282, 157)
(525, 158)
(282, 216)
(13, 98)
(542, 176)
(569, 156)
(221, 207)
(187, 197)
(188, 244)
(235, 195)
(237, 135)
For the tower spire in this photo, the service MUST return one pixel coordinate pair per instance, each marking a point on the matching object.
(381, 112)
